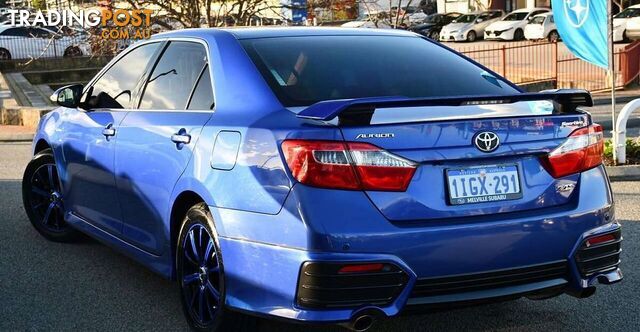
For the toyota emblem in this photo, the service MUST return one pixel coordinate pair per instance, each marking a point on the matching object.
(486, 141)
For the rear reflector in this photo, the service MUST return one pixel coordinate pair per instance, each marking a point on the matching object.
(345, 165)
(361, 268)
(599, 239)
(580, 152)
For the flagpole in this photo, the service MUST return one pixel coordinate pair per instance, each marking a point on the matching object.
(612, 74)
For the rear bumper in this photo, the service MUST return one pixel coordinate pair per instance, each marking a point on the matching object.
(263, 266)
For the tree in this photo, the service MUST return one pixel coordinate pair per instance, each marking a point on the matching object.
(36, 4)
(195, 13)
(622, 4)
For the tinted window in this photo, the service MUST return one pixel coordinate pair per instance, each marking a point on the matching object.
(19, 32)
(115, 87)
(174, 76)
(40, 33)
(305, 70)
(202, 98)
(516, 16)
(628, 13)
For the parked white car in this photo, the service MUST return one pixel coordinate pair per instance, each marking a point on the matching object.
(622, 19)
(469, 27)
(542, 27)
(511, 27)
(34, 42)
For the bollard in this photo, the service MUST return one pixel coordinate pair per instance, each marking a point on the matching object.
(621, 130)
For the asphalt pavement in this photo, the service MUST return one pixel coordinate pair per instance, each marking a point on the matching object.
(47, 286)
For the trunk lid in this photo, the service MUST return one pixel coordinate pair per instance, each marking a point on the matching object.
(454, 178)
(442, 147)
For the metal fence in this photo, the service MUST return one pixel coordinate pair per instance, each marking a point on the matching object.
(527, 63)
(25, 48)
(523, 63)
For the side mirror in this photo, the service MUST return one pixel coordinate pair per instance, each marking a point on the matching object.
(479, 20)
(68, 96)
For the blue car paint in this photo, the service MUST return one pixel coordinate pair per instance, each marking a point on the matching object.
(268, 224)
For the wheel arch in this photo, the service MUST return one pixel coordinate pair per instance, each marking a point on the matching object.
(40, 146)
(183, 202)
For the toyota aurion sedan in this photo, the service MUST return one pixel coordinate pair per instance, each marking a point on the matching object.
(326, 175)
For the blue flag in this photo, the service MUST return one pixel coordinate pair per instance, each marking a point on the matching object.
(582, 24)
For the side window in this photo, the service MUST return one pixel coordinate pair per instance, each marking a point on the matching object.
(39, 33)
(174, 76)
(202, 98)
(115, 88)
(536, 13)
(17, 32)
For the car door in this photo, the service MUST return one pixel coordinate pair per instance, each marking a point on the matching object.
(89, 137)
(156, 141)
(42, 43)
(16, 41)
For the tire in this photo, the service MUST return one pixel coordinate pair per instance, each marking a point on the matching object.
(553, 36)
(518, 35)
(42, 199)
(472, 36)
(434, 35)
(5, 54)
(72, 51)
(200, 272)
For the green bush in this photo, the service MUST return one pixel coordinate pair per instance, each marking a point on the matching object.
(633, 151)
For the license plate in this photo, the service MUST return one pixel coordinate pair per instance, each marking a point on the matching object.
(483, 184)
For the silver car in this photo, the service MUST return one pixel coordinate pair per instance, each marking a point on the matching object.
(470, 27)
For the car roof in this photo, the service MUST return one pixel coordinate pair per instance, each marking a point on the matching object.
(271, 32)
(528, 10)
(544, 14)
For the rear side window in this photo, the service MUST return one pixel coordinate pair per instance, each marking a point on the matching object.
(18, 32)
(173, 78)
(305, 70)
(115, 88)
(202, 98)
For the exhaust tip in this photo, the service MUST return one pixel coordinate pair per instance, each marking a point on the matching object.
(362, 323)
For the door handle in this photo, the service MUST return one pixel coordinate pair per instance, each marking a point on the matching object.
(181, 137)
(109, 131)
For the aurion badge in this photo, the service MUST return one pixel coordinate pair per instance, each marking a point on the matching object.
(486, 141)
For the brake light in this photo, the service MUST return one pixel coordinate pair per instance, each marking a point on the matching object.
(345, 165)
(580, 152)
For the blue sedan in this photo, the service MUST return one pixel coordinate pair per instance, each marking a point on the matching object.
(326, 176)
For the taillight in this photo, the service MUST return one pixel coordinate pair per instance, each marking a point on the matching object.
(345, 165)
(580, 152)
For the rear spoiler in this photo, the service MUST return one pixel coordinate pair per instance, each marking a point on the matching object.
(327, 110)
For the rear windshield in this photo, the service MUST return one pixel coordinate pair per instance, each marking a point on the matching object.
(628, 13)
(305, 70)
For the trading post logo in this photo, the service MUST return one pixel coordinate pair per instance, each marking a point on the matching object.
(114, 24)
